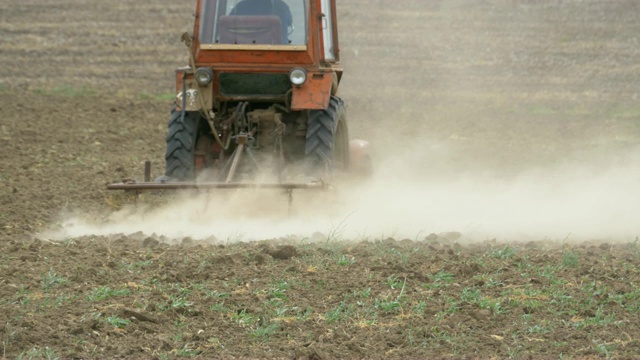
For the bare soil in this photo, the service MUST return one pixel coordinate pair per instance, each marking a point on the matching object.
(504, 87)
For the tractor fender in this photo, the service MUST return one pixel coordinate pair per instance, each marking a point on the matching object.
(314, 94)
(197, 97)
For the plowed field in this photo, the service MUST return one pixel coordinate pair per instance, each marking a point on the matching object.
(501, 221)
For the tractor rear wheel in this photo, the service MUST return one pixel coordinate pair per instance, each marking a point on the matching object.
(181, 142)
(327, 140)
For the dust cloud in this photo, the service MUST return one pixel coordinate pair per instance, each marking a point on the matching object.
(564, 203)
(489, 131)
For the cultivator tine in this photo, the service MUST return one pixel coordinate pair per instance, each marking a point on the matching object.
(206, 202)
(290, 201)
(147, 171)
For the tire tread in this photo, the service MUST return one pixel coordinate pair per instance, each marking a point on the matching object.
(181, 136)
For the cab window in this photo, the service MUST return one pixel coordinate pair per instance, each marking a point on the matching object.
(254, 22)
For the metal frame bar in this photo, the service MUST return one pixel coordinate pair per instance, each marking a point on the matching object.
(204, 186)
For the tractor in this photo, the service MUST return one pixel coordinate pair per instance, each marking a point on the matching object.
(258, 100)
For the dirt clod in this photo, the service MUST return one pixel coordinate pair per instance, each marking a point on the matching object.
(138, 315)
(150, 242)
(285, 252)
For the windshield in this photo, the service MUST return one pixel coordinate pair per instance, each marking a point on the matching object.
(254, 22)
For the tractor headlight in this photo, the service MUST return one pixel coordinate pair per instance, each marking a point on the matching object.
(298, 76)
(204, 76)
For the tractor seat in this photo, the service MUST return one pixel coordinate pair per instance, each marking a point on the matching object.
(265, 30)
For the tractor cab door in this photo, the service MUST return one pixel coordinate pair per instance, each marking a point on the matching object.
(329, 39)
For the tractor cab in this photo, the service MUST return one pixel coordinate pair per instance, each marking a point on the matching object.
(282, 51)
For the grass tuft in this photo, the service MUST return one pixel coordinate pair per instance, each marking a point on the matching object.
(104, 293)
(51, 279)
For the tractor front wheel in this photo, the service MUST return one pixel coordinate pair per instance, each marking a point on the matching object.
(181, 141)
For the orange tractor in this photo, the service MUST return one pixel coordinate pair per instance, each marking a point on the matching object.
(258, 100)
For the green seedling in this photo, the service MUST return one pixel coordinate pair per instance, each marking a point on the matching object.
(117, 322)
(104, 293)
(51, 279)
